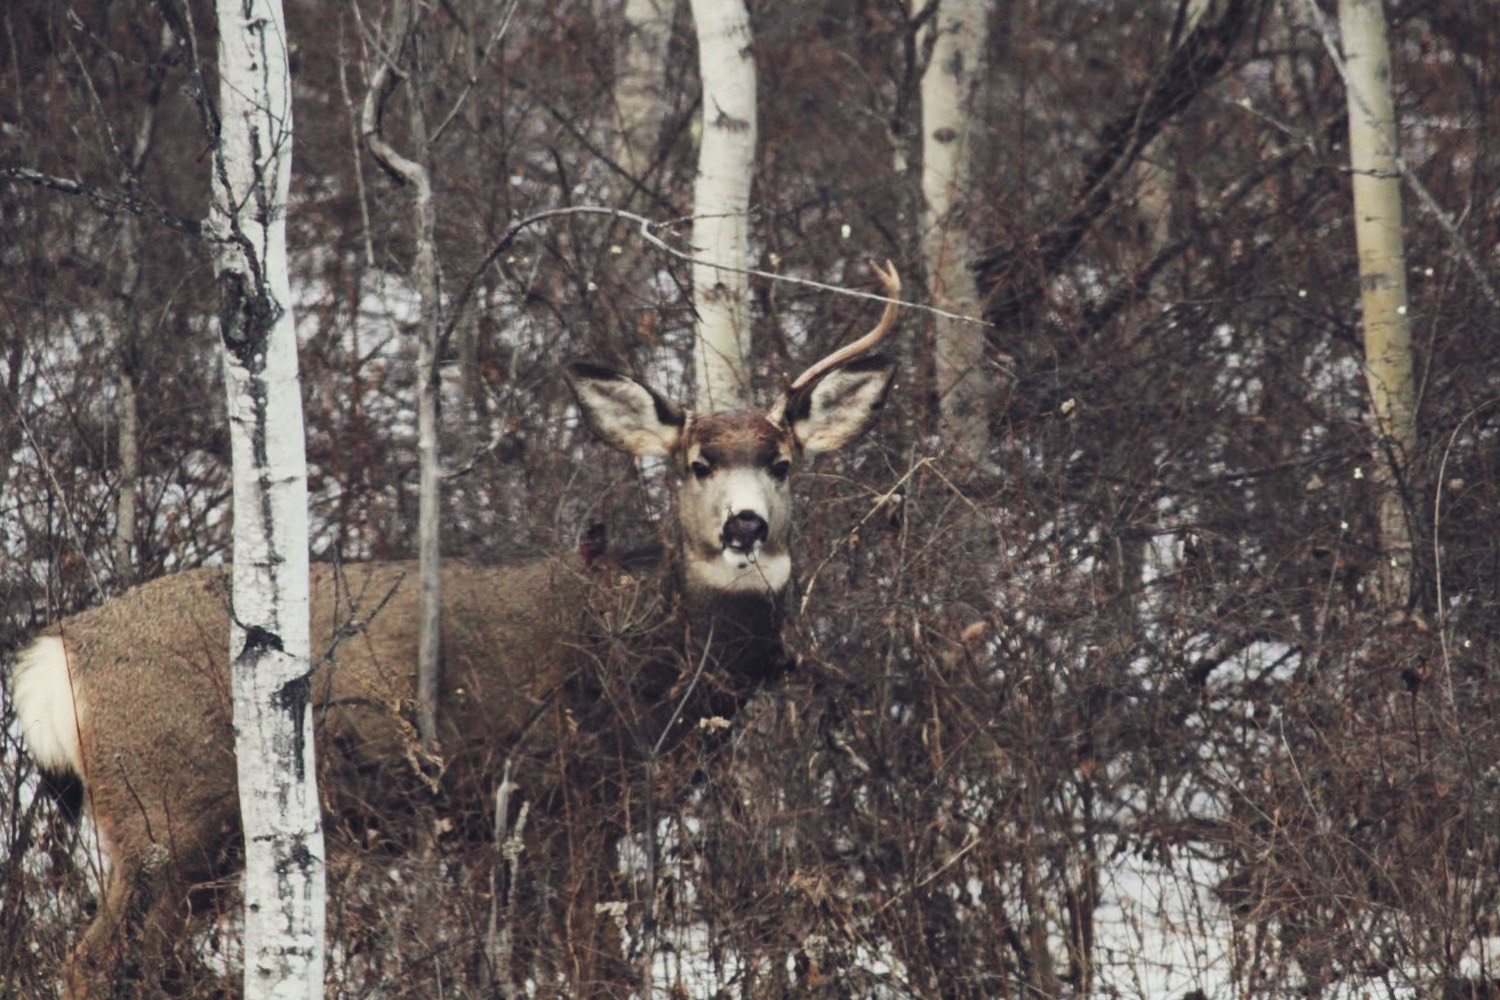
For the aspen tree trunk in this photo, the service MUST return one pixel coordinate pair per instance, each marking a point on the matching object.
(128, 471)
(1382, 280)
(429, 455)
(640, 76)
(416, 175)
(965, 385)
(284, 886)
(721, 204)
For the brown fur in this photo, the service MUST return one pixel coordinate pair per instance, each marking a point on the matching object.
(740, 440)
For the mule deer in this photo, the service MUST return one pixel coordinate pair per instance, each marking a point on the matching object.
(131, 698)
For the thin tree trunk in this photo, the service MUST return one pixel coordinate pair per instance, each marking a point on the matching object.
(1153, 202)
(128, 324)
(966, 385)
(721, 204)
(128, 347)
(128, 472)
(418, 178)
(284, 886)
(1382, 280)
(473, 421)
(429, 455)
(640, 75)
(902, 108)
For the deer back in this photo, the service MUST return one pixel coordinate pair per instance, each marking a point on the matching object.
(529, 648)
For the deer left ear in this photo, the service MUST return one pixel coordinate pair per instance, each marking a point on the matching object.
(624, 413)
(838, 407)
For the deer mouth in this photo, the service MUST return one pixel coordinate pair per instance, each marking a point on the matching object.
(742, 556)
(742, 569)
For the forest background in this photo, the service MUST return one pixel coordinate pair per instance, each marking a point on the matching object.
(1119, 707)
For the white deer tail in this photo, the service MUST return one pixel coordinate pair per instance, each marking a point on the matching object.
(46, 710)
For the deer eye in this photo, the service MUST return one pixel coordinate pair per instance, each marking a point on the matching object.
(700, 468)
(780, 469)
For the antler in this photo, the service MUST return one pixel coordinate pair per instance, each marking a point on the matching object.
(892, 282)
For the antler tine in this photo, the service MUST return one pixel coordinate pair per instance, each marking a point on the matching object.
(892, 282)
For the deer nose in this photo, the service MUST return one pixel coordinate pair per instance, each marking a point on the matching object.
(743, 530)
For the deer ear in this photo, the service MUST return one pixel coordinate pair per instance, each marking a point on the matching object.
(624, 413)
(838, 407)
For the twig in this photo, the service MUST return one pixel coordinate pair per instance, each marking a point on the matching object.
(111, 202)
(1437, 552)
(951, 860)
(646, 228)
(880, 502)
(62, 499)
(480, 59)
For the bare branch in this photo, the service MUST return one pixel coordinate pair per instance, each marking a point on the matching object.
(647, 230)
(112, 203)
(483, 56)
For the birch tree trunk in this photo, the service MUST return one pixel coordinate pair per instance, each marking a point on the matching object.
(965, 384)
(721, 204)
(640, 74)
(1382, 280)
(417, 177)
(284, 885)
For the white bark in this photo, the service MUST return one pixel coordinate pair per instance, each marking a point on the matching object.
(284, 887)
(640, 77)
(965, 384)
(1382, 276)
(128, 327)
(721, 204)
(429, 455)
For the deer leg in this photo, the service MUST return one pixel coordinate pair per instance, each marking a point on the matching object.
(91, 969)
(167, 952)
(105, 957)
(132, 946)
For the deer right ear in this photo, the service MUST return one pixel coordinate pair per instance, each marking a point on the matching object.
(624, 413)
(837, 408)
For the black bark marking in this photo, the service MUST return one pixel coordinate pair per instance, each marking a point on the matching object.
(293, 698)
(258, 638)
(246, 316)
(298, 857)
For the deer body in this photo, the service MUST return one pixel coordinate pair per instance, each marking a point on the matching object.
(158, 652)
(164, 797)
(133, 697)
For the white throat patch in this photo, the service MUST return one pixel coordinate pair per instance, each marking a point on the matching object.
(731, 572)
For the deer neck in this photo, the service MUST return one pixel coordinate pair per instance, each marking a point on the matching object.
(739, 635)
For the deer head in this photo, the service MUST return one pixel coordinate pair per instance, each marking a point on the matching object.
(733, 469)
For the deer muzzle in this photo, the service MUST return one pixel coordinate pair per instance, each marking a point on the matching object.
(745, 531)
